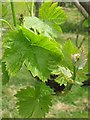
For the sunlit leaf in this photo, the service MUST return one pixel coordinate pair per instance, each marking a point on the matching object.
(41, 27)
(40, 54)
(52, 12)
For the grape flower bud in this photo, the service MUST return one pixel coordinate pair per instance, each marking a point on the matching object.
(75, 57)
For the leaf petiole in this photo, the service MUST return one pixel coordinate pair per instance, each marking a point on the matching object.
(6, 23)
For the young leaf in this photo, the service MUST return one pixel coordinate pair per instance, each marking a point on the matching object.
(52, 12)
(41, 27)
(69, 49)
(64, 75)
(40, 53)
(81, 61)
(34, 102)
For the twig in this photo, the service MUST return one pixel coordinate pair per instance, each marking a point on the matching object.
(80, 8)
(78, 31)
(77, 36)
(81, 43)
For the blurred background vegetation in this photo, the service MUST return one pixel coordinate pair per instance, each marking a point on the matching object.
(75, 106)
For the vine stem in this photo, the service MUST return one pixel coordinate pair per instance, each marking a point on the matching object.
(26, 2)
(7, 23)
(13, 13)
(32, 7)
(74, 72)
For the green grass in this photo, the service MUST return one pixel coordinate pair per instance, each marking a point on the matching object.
(71, 106)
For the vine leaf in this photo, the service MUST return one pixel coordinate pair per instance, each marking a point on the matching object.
(40, 54)
(4, 10)
(34, 102)
(52, 12)
(45, 28)
(5, 76)
(82, 60)
(64, 75)
(68, 50)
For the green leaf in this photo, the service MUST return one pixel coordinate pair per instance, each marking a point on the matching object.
(40, 54)
(43, 10)
(69, 49)
(56, 29)
(80, 64)
(34, 102)
(64, 75)
(4, 10)
(5, 76)
(52, 12)
(47, 29)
